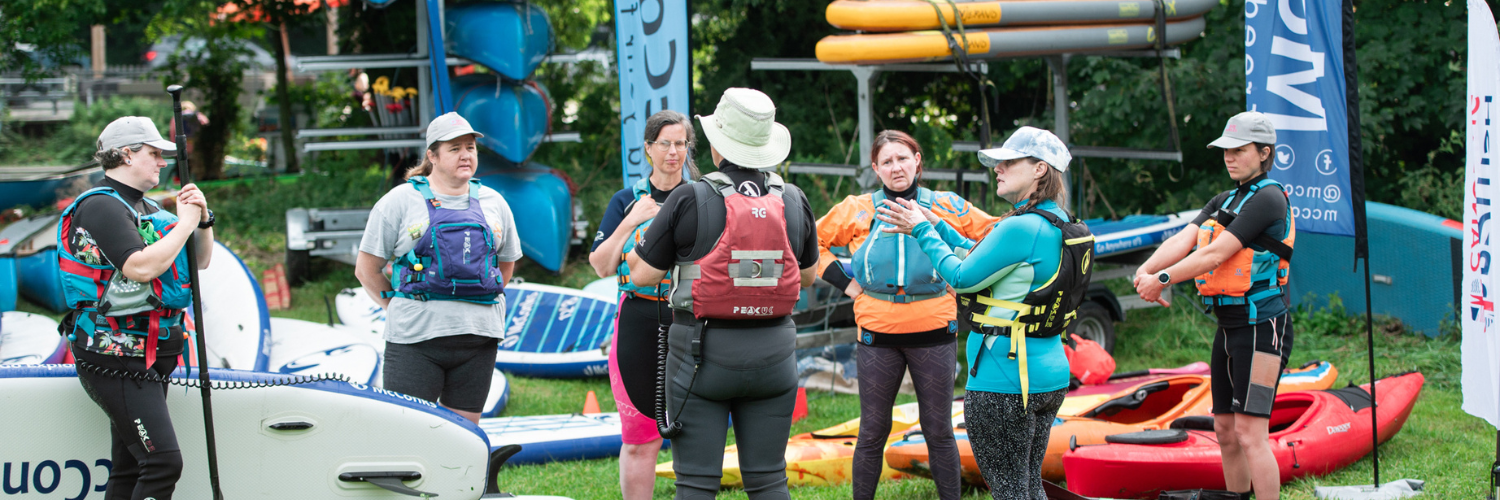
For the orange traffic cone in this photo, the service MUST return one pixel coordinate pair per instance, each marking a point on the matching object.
(799, 411)
(590, 403)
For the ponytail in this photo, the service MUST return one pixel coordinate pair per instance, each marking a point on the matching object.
(424, 168)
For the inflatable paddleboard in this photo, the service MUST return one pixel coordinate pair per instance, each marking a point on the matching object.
(306, 348)
(510, 38)
(1135, 232)
(273, 442)
(550, 438)
(238, 330)
(991, 43)
(551, 331)
(607, 288)
(555, 332)
(30, 339)
(911, 15)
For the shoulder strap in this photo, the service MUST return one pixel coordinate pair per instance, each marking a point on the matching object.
(420, 183)
(925, 197)
(719, 182)
(641, 189)
(104, 191)
(774, 184)
(474, 188)
(1255, 189)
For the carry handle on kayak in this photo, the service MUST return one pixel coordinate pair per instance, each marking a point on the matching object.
(389, 481)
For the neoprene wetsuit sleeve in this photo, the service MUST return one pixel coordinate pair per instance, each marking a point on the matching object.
(807, 256)
(111, 226)
(1010, 243)
(613, 215)
(662, 245)
(951, 236)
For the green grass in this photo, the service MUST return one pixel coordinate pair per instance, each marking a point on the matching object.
(1439, 444)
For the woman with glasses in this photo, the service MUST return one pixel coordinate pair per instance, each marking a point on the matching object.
(632, 352)
(903, 309)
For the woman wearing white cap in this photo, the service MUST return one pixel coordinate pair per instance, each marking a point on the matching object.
(739, 243)
(110, 238)
(1241, 279)
(453, 245)
(1006, 287)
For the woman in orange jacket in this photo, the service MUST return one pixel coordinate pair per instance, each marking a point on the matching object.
(905, 311)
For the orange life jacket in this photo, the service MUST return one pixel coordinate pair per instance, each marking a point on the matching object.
(1250, 274)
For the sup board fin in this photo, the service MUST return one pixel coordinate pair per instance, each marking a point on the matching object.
(497, 459)
(389, 481)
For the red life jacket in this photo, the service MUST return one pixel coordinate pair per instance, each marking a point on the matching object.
(751, 271)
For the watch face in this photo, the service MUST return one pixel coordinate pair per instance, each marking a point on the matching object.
(1164, 278)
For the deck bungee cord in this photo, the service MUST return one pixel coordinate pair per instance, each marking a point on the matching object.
(187, 381)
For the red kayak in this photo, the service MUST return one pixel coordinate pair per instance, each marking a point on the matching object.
(1313, 433)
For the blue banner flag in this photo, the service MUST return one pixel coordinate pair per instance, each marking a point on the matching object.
(1294, 73)
(652, 39)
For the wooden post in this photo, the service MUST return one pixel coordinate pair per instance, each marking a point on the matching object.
(96, 50)
(333, 27)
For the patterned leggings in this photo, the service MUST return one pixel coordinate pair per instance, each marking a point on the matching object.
(880, 372)
(1009, 441)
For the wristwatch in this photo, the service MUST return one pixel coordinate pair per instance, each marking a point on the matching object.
(1164, 278)
(207, 223)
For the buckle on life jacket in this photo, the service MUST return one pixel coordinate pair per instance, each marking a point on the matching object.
(903, 298)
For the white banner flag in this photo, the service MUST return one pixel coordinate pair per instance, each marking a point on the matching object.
(1481, 344)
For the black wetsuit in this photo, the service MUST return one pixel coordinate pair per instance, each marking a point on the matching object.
(146, 459)
(748, 368)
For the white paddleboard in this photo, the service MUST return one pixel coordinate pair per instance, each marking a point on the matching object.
(273, 442)
(30, 339)
(607, 288)
(238, 329)
(305, 348)
(550, 438)
(551, 331)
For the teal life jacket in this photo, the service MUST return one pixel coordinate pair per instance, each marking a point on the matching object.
(85, 283)
(889, 262)
(642, 191)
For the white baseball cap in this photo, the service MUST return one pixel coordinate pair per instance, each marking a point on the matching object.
(448, 127)
(132, 130)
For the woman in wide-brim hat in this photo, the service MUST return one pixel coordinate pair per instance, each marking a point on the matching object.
(740, 243)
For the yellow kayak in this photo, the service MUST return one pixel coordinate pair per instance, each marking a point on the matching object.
(913, 15)
(822, 457)
(991, 43)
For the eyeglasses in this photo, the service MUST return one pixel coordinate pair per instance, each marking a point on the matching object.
(666, 146)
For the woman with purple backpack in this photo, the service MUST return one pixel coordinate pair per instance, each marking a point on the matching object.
(452, 245)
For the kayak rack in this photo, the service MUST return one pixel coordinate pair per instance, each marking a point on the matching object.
(864, 75)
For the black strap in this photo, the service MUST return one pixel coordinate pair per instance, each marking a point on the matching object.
(1266, 241)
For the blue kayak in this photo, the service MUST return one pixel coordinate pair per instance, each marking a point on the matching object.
(509, 38)
(542, 204)
(512, 115)
(29, 248)
(40, 186)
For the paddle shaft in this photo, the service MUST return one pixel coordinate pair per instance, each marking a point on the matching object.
(1374, 406)
(185, 175)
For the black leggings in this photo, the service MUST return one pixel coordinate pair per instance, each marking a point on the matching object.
(881, 370)
(454, 371)
(146, 460)
(749, 374)
(1010, 441)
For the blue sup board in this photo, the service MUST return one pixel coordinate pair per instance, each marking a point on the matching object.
(1135, 232)
(551, 438)
(551, 331)
(30, 339)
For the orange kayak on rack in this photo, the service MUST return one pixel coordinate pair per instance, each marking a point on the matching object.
(911, 15)
(995, 43)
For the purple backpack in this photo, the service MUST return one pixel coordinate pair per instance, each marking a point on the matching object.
(456, 259)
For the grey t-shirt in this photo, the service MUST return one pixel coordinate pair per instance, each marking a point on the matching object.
(396, 222)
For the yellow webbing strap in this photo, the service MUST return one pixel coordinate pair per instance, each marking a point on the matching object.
(1014, 306)
(993, 321)
(1018, 351)
(1076, 241)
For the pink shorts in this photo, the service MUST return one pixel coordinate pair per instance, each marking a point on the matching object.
(637, 427)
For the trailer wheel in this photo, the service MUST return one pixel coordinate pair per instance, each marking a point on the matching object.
(297, 263)
(1094, 323)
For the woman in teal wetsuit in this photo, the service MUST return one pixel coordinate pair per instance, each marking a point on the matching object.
(1014, 391)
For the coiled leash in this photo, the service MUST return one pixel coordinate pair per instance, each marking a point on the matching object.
(669, 430)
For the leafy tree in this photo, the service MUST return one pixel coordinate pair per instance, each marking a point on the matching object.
(215, 68)
(41, 35)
